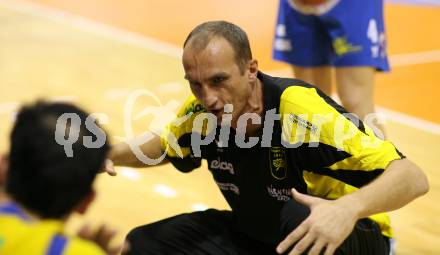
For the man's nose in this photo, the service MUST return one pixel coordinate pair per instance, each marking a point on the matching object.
(210, 98)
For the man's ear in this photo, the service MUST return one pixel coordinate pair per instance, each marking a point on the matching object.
(4, 165)
(85, 202)
(253, 69)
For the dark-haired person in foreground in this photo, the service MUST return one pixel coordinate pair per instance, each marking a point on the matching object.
(44, 186)
(322, 186)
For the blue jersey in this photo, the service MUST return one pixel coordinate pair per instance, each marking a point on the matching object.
(337, 33)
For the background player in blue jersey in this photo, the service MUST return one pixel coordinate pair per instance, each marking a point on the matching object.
(316, 35)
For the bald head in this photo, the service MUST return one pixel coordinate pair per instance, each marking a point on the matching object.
(201, 35)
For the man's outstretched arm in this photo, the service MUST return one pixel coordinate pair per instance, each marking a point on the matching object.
(402, 182)
(136, 155)
(331, 221)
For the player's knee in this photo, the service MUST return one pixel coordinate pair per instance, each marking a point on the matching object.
(292, 215)
(139, 235)
(351, 103)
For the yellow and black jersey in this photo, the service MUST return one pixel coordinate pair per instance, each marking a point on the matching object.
(313, 145)
(21, 235)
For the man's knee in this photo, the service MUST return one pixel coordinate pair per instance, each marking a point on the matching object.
(140, 240)
(138, 233)
(353, 104)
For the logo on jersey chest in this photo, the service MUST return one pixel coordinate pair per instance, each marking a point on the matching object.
(281, 194)
(278, 167)
(222, 165)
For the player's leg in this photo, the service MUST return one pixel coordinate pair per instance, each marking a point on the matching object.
(198, 233)
(355, 89)
(366, 237)
(321, 77)
(301, 40)
(358, 40)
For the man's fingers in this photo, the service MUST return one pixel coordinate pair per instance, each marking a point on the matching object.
(304, 199)
(317, 247)
(115, 250)
(125, 248)
(292, 238)
(97, 236)
(110, 167)
(104, 236)
(303, 244)
(86, 232)
(330, 250)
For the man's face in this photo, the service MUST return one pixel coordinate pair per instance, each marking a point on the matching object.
(215, 78)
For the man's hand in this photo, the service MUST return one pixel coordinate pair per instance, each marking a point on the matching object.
(327, 226)
(109, 167)
(102, 237)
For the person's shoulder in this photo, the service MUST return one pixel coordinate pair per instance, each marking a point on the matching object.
(76, 245)
(304, 98)
(7, 220)
(183, 121)
(282, 82)
(35, 235)
(12, 229)
(191, 106)
(295, 95)
(11, 224)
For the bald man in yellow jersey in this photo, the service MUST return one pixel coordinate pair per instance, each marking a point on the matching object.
(300, 173)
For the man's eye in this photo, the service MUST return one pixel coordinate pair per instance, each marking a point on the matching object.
(218, 79)
(194, 84)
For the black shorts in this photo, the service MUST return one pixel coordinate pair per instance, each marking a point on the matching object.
(213, 232)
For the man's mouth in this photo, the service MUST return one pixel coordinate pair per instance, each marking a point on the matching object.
(217, 113)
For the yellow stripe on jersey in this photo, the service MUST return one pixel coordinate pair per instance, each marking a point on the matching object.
(358, 155)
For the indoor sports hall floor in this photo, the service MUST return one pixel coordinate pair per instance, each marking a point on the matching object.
(122, 57)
